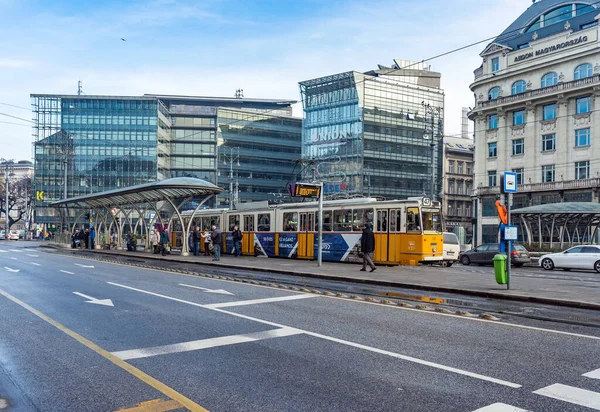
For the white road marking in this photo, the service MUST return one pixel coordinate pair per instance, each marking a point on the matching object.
(67, 272)
(205, 343)
(571, 394)
(15, 250)
(217, 291)
(32, 255)
(14, 258)
(3, 251)
(84, 266)
(12, 270)
(356, 345)
(258, 301)
(35, 264)
(105, 302)
(500, 407)
(593, 374)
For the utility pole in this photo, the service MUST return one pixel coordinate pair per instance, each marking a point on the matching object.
(7, 172)
(433, 111)
(231, 157)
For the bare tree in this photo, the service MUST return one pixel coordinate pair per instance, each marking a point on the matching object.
(19, 199)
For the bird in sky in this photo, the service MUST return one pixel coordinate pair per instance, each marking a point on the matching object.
(123, 39)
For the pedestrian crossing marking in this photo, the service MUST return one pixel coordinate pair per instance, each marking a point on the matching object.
(500, 407)
(593, 374)
(571, 394)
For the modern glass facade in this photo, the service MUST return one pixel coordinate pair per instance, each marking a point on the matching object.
(104, 143)
(365, 132)
(257, 155)
(108, 142)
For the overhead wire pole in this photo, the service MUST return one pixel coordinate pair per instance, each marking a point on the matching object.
(433, 111)
(7, 168)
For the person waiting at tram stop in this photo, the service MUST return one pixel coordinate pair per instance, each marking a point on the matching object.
(197, 237)
(367, 247)
(217, 240)
(236, 235)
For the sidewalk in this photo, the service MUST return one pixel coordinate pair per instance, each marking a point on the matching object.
(563, 291)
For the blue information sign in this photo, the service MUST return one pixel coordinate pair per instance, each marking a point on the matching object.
(509, 182)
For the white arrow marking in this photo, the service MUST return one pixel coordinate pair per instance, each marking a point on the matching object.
(84, 266)
(105, 302)
(218, 291)
(33, 263)
(70, 273)
(12, 270)
(32, 255)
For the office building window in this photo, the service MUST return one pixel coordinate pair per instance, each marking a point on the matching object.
(583, 105)
(460, 187)
(519, 173)
(492, 149)
(548, 173)
(583, 71)
(582, 170)
(468, 187)
(451, 166)
(467, 210)
(451, 187)
(495, 64)
(550, 79)
(492, 121)
(518, 146)
(491, 178)
(548, 142)
(518, 117)
(494, 93)
(459, 169)
(550, 111)
(519, 87)
(469, 168)
(582, 137)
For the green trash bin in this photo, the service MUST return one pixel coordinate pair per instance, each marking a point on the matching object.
(500, 269)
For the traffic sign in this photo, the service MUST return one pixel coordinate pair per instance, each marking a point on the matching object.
(511, 232)
(305, 190)
(509, 182)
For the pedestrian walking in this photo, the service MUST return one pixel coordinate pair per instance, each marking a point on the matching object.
(217, 240)
(207, 242)
(237, 237)
(367, 246)
(197, 237)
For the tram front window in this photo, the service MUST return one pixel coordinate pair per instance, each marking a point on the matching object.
(413, 220)
(432, 220)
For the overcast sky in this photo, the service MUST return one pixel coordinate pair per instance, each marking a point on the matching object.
(213, 47)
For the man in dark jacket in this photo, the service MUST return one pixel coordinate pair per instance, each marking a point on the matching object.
(237, 236)
(367, 246)
(217, 238)
(197, 237)
(81, 238)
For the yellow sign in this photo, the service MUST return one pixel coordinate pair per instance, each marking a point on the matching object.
(39, 195)
(307, 190)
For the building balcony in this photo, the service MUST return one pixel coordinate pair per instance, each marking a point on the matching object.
(538, 93)
(543, 187)
(478, 72)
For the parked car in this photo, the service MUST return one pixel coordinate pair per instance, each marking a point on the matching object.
(451, 249)
(13, 235)
(577, 257)
(484, 255)
(2, 235)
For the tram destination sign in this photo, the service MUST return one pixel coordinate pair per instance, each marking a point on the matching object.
(305, 190)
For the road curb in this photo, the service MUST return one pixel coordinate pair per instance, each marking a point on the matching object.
(431, 288)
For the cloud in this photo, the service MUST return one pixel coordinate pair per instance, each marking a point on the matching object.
(14, 63)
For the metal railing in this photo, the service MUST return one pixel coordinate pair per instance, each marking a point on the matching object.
(544, 187)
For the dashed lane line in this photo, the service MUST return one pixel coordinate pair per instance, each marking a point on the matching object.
(67, 272)
(34, 264)
(30, 255)
(329, 338)
(156, 384)
(258, 301)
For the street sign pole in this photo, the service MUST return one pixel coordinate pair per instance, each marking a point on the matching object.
(508, 242)
(508, 186)
(320, 249)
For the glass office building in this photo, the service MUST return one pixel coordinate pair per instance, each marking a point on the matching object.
(365, 132)
(109, 142)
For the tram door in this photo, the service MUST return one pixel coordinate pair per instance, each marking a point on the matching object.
(387, 241)
(248, 235)
(306, 235)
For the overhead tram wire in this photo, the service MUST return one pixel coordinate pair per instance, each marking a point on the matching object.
(18, 118)
(18, 107)
(16, 124)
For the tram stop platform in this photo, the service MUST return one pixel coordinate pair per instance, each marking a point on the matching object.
(572, 289)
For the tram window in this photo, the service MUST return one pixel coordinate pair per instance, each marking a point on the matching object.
(312, 223)
(431, 220)
(234, 220)
(206, 223)
(290, 222)
(248, 223)
(382, 221)
(215, 220)
(361, 217)
(413, 220)
(326, 221)
(264, 222)
(342, 220)
(395, 216)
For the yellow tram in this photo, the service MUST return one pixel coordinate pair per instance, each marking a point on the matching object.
(407, 232)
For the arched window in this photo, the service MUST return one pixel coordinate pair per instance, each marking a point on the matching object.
(519, 87)
(550, 79)
(582, 71)
(494, 93)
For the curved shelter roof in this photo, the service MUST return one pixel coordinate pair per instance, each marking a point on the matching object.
(560, 208)
(176, 188)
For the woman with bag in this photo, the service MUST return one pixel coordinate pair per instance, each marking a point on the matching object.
(207, 242)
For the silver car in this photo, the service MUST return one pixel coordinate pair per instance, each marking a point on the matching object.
(577, 257)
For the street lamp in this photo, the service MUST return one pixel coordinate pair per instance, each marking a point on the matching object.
(230, 156)
(432, 111)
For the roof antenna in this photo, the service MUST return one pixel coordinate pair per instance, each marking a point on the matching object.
(79, 87)
(239, 94)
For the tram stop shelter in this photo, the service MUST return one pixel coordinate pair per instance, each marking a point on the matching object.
(133, 206)
(558, 224)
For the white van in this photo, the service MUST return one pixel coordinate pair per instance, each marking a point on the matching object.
(451, 249)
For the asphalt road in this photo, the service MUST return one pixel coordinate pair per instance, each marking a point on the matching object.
(182, 341)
